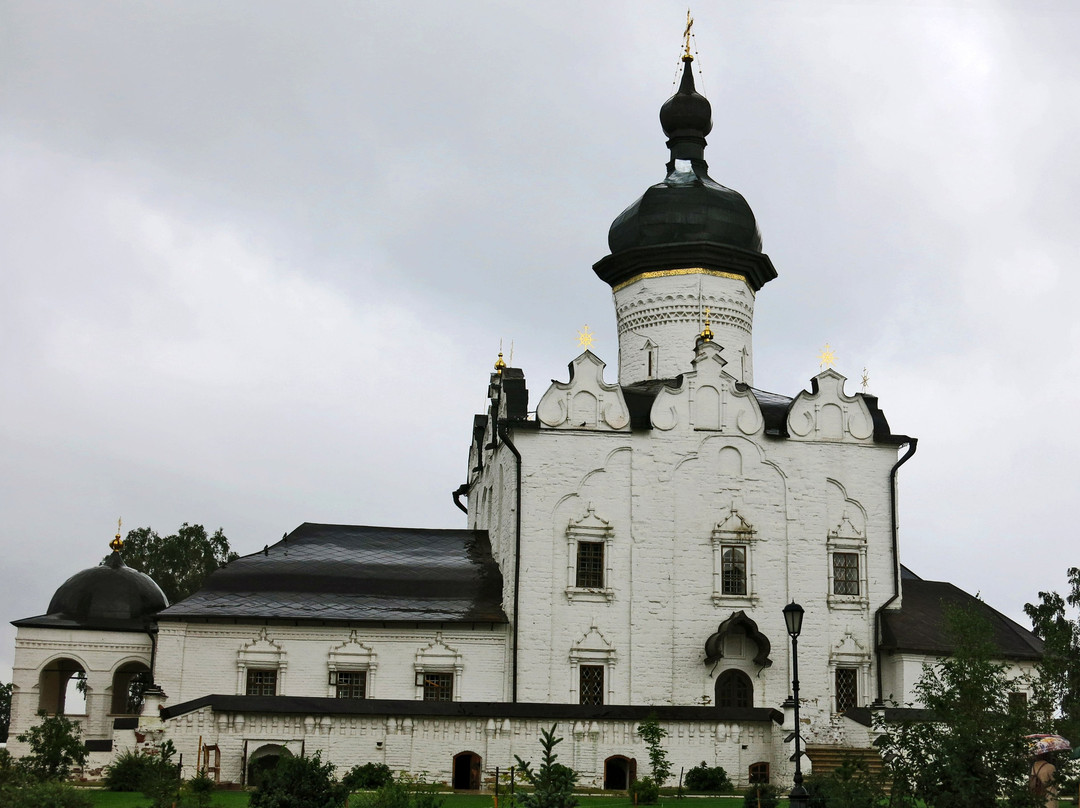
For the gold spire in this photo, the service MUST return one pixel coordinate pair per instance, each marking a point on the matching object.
(117, 544)
(686, 35)
(585, 337)
(706, 332)
(827, 357)
(499, 364)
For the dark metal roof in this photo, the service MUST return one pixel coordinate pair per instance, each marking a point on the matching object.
(316, 705)
(108, 597)
(358, 574)
(919, 625)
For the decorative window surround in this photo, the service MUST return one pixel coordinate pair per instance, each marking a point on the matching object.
(590, 528)
(352, 655)
(261, 653)
(851, 654)
(733, 532)
(592, 649)
(846, 538)
(438, 657)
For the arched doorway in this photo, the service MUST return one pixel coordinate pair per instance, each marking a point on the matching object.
(129, 682)
(619, 772)
(63, 688)
(264, 760)
(467, 770)
(734, 689)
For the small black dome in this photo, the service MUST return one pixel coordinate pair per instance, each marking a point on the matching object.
(111, 591)
(688, 206)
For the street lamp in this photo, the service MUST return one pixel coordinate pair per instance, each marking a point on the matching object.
(793, 615)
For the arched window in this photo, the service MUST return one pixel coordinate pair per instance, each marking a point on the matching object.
(63, 688)
(734, 689)
(128, 684)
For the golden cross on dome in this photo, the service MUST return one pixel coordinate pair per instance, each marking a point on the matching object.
(585, 337)
(865, 380)
(117, 544)
(827, 357)
(686, 33)
(706, 332)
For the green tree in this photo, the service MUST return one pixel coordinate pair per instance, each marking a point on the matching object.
(56, 747)
(1057, 693)
(179, 562)
(5, 710)
(653, 735)
(968, 747)
(553, 783)
(299, 782)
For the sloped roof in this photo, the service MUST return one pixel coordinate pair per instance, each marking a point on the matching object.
(356, 573)
(919, 625)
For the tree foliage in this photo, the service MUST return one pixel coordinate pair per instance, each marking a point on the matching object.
(299, 782)
(180, 562)
(968, 747)
(1057, 696)
(553, 783)
(5, 710)
(707, 779)
(653, 735)
(56, 748)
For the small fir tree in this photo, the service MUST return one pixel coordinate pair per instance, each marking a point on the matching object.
(553, 783)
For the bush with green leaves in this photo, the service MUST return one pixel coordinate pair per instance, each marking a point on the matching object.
(645, 791)
(56, 748)
(44, 794)
(764, 795)
(553, 783)
(367, 777)
(127, 771)
(708, 779)
(851, 785)
(299, 782)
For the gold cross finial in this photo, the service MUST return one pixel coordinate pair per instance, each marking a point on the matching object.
(585, 337)
(865, 380)
(117, 544)
(827, 357)
(499, 364)
(686, 34)
(706, 332)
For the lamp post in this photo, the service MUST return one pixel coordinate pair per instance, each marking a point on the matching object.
(793, 615)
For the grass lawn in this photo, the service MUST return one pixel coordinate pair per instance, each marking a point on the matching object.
(239, 799)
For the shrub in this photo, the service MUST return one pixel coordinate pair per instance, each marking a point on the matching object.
(299, 782)
(199, 790)
(389, 795)
(553, 783)
(47, 794)
(127, 771)
(645, 791)
(367, 777)
(765, 795)
(707, 778)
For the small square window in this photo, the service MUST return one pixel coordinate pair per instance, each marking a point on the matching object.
(590, 564)
(438, 686)
(261, 682)
(733, 572)
(351, 684)
(591, 684)
(845, 573)
(847, 689)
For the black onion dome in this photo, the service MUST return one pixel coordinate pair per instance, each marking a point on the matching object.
(688, 207)
(109, 592)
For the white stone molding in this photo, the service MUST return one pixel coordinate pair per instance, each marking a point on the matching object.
(352, 655)
(592, 649)
(262, 653)
(586, 401)
(847, 538)
(732, 530)
(849, 652)
(827, 413)
(438, 657)
(590, 528)
(709, 400)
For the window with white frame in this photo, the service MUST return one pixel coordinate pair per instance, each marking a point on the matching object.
(351, 666)
(592, 659)
(261, 665)
(437, 685)
(438, 669)
(849, 670)
(733, 538)
(261, 682)
(349, 684)
(846, 547)
(589, 556)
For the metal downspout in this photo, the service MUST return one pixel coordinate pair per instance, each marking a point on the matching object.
(913, 444)
(504, 434)
(461, 491)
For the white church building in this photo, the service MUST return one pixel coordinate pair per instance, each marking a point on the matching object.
(629, 546)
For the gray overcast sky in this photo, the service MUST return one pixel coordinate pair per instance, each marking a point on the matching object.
(257, 258)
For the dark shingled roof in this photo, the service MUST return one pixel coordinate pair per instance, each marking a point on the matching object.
(322, 705)
(919, 625)
(357, 574)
